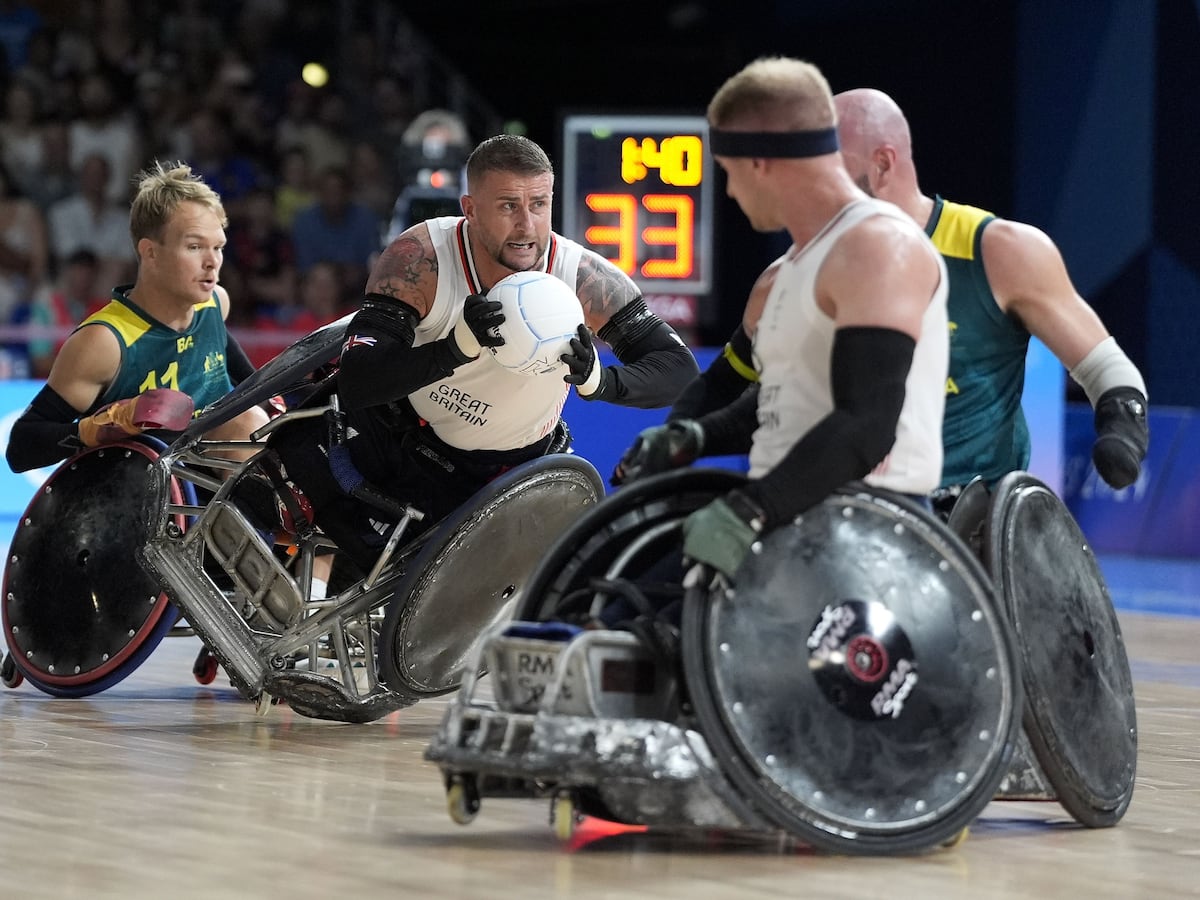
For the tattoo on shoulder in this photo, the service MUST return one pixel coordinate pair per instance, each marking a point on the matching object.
(602, 287)
(406, 270)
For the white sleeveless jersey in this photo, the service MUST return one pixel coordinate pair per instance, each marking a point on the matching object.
(793, 347)
(482, 405)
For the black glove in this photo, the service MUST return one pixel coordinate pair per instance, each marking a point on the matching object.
(1122, 436)
(589, 378)
(671, 446)
(479, 326)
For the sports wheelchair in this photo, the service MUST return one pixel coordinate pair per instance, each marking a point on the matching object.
(80, 614)
(859, 688)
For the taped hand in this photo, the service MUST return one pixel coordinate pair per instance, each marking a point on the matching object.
(156, 409)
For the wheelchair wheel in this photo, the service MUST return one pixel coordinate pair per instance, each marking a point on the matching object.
(472, 568)
(858, 686)
(1079, 713)
(625, 536)
(79, 613)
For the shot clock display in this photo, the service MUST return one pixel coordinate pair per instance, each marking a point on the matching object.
(638, 190)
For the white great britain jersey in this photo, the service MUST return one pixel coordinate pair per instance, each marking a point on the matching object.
(792, 350)
(482, 405)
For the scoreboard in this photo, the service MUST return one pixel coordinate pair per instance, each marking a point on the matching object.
(637, 190)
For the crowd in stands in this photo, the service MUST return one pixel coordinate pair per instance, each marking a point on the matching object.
(95, 90)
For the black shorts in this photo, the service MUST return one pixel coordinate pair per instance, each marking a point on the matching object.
(399, 457)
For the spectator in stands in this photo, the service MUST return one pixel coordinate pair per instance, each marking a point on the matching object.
(20, 134)
(161, 116)
(18, 22)
(374, 183)
(215, 160)
(40, 64)
(54, 179)
(88, 219)
(315, 122)
(24, 249)
(323, 299)
(123, 49)
(106, 131)
(295, 189)
(56, 310)
(336, 229)
(259, 257)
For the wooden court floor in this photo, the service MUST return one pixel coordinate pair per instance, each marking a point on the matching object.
(161, 787)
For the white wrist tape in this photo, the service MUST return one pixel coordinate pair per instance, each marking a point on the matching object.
(1104, 368)
(466, 340)
(592, 384)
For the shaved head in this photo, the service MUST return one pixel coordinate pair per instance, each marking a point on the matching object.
(877, 147)
(868, 119)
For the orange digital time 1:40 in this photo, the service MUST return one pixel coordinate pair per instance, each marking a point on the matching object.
(637, 194)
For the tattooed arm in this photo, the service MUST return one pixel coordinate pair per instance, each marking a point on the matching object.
(379, 362)
(407, 271)
(655, 363)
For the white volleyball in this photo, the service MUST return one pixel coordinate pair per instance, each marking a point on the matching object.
(541, 315)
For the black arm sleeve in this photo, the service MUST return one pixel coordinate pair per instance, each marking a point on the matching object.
(237, 363)
(730, 430)
(379, 362)
(656, 365)
(46, 433)
(868, 370)
(721, 383)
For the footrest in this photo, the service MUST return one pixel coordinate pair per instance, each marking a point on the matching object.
(245, 556)
(320, 697)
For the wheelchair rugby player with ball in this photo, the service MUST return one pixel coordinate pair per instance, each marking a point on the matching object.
(418, 451)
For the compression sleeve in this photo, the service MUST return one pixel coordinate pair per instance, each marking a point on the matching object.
(45, 433)
(730, 430)
(656, 365)
(379, 363)
(237, 363)
(721, 383)
(868, 370)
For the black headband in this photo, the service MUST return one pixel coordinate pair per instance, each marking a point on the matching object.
(776, 144)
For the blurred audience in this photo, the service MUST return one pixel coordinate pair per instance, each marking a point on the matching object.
(58, 308)
(336, 229)
(104, 129)
(91, 92)
(24, 249)
(21, 134)
(89, 220)
(294, 190)
(260, 265)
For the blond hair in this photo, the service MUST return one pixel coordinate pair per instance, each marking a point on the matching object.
(160, 190)
(775, 93)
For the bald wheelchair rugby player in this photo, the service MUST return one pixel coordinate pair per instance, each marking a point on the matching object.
(1007, 282)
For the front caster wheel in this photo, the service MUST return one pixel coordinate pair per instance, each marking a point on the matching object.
(205, 667)
(462, 799)
(563, 816)
(10, 675)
